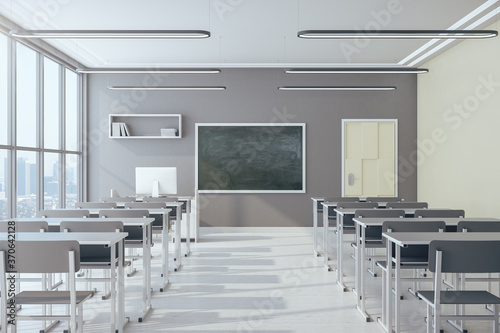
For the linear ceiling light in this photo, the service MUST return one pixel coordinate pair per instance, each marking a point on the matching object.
(357, 70)
(340, 88)
(111, 34)
(396, 34)
(147, 71)
(167, 88)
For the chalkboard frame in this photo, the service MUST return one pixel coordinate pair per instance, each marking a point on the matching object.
(302, 127)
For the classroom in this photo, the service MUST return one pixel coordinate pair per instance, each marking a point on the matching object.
(254, 122)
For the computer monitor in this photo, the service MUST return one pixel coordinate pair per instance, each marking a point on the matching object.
(155, 181)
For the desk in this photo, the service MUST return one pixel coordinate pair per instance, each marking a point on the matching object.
(108, 239)
(402, 239)
(362, 224)
(146, 224)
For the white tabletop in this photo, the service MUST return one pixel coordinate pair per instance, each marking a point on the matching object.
(424, 238)
(378, 221)
(127, 221)
(84, 238)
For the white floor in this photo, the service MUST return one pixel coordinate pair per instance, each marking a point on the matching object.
(252, 282)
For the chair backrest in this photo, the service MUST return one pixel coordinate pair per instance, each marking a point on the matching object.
(118, 199)
(63, 213)
(383, 199)
(439, 213)
(359, 205)
(146, 205)
(102, 205)
(91, 226)
(51, 257)
(379, 213)
(159, 199)
(25, 226)
(478, 226)
(113, 213)
(406, 204)
(465, 256)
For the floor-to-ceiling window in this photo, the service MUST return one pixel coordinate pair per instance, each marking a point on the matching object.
(40, 135)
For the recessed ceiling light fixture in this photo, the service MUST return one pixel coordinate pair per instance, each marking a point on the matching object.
(111, 34)
(397, 34)
(358, 70)
(178, 88)
(148, 71)
(339, 88)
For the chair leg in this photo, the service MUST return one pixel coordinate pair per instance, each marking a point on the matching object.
(437, 319)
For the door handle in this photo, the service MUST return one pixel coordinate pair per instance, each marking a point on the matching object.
(350, 179)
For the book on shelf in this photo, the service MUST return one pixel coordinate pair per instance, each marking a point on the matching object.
(124, 129)
(168, 132)
(115, 129)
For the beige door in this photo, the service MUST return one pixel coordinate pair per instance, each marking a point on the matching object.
(369, 155)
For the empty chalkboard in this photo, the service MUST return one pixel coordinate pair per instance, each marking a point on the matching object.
(250, 158)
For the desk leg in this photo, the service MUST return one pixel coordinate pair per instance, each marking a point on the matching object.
(164, 253)
(397, 290)
(122, 321)
(146, 278)
(188, 227)
(177, 241)
(326, 226)
(340, 241)
(113, 288)
(388, 289)
(315, 229)
(360, 270)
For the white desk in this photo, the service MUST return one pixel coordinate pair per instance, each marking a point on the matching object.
(145, 224)
(402, 239)
(366, 222)
(108, 239)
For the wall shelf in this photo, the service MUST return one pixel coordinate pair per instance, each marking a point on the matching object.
(145, 126)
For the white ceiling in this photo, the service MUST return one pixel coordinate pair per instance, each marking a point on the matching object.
(249, 33)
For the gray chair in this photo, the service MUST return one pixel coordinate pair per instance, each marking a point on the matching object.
(53, 257)
(331, 210)
(412, 257)
(478, 226)
(57, 213)
(134, 239)
(384, 199)
(373, 234)
(348, 223)
(432, 213)
(100, 205)
(407, 204)
(25, 226)
(94, 256)
(460, 257)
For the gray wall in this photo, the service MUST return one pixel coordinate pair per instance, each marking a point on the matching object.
(251, 97)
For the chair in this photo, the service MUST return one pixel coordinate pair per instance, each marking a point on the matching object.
(63, 213)
(348, 223)
(412, 257)
(460, 257)
(383, 199)
(94, 256)
(439, 213)
(478, 226)
(373, 234)
(331, 210)
(25, 226)
(134, 238)
(407, 204)
(101, 205)
(54, 257)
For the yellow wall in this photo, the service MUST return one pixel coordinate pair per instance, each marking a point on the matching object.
(459, 129)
